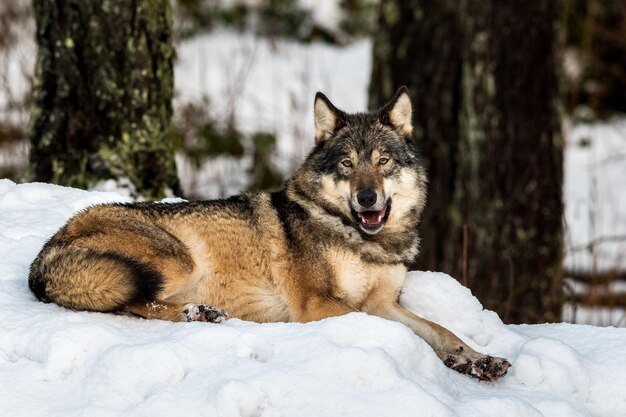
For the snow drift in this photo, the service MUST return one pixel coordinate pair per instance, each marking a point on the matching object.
(56, 362)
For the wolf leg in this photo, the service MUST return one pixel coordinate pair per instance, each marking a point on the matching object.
(453, 351)
(318, 307)
(177, 311)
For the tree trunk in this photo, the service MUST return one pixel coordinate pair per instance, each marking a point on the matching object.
(102, 94)
(483, 78)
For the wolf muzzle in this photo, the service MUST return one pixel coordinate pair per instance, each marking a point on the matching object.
(370, 210)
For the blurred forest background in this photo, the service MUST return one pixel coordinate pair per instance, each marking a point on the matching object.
(520, 112)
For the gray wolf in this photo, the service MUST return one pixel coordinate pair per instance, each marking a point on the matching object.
(335, 239)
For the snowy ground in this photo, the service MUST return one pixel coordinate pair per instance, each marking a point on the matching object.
(56, 362)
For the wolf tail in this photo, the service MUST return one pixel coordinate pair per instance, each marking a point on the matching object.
(87, 279)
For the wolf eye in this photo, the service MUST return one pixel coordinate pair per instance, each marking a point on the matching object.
(383, 160)
(346, 163)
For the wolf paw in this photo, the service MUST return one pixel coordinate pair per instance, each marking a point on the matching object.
(203, 312)
(484, 368)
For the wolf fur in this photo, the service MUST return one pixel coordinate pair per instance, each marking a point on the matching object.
(336, 239)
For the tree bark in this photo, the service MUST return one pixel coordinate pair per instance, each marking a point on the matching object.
(483, 78)
(102, 94)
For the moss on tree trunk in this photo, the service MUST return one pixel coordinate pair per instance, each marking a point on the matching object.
(102, 94)
(483, 77)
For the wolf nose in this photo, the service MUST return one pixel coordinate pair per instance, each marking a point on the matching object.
(366, 198)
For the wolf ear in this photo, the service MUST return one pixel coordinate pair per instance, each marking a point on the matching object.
(327, 118)
(398, 112)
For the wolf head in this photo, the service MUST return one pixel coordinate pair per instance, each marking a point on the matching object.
(364, 167)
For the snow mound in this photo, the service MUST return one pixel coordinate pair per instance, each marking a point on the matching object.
(56, 362)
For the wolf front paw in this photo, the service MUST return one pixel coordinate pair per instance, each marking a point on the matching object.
(203, 312)
(482, 367)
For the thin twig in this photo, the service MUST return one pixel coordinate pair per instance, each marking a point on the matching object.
(602, 239)
(597, 278)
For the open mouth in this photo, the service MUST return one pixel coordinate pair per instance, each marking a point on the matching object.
(372, 221)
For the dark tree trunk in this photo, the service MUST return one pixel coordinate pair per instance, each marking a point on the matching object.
(483, 78)
(102, 94)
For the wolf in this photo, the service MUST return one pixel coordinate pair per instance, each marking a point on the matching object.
(337, 238)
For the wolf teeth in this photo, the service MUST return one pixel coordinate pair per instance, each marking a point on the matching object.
(379, 218)
(367, 217)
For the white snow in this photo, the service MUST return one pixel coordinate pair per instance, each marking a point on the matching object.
(57, 362)
(595, 189)
(326, 13)
(595, 212)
